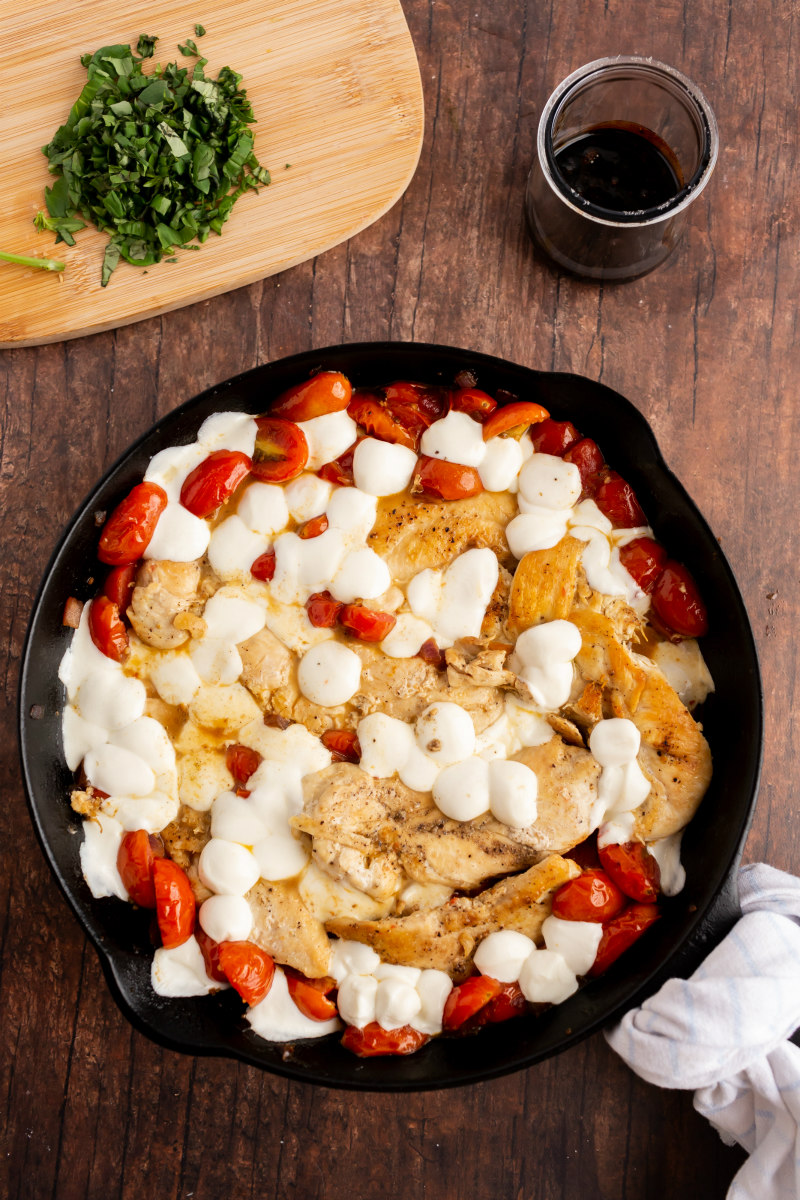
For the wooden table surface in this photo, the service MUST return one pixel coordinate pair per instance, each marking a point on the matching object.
(704, 347)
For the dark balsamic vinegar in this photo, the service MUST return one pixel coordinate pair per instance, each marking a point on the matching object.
(623, 168)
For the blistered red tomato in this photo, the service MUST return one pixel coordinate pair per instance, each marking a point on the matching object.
(128, 531)
(616, 499)
(592, 896)
(468, 998)
(343, 745)
(677, 602)
(554, 437)
(119, 585)
(473, 401)
(137, 852)
(415, 405)
(325, 392)
(445, 480)
(323, 611)
(247, 968)
(622, 932)
(509, 1003)
(311, 995)
(370, 412)
(511, 420)
(242, 762)
(314, 527)
(175, 902)
(213, 481)
(366, 623)
(430, 653)
(281, 450)
(264, 566)
(372, 1040)
(644, 560)
(340, 471)
(107, 629)
(587, 456)
(210, 951)
(633, 869)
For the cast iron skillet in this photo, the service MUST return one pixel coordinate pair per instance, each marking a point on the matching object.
(693, 921)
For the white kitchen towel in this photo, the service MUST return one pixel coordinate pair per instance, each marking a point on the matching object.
(723, 1033)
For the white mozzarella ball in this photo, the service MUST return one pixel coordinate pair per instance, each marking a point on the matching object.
(455, 438)
(407, 975)
(148, 739)
(280, 857)
(433, 989)
(588, 514)
(408, 635)
(110, 699)
(305, 565)
(234, 548)
(352, 512)
(382, 468)
(179, 536)
(216, 660)
(550, 687)
(228, 431)
(551, 482)
(352, 958)
(529, 531)
(329, 674)
(551, 642)
(418, 771)
(150, 813)
(227, 868)
(226, 918)
(328, 436)
(396, 1004)
(232, 617)
(501, 464)
(386, 744)
(263, 508)
(545, 978)
(445, 732)
(236, 819)
(614, 742)
(502, 953)
(307, 496)
(575, 941)
(462, 790)
(181, 971)
(171, 465)
(362, 576)
(356, 1000)
(118, 771)
(513, 789)
(175, 678)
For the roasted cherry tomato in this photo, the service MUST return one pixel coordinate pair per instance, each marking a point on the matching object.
(247, 968)
(509, 1003)
(210, 951)
(343, 745)
(590, 897)
(366, 623)
(473, 401)
(429, 652)
(175, 903)
(311, 995)
(677, 602)
(119, 585)
(326, 392)
(137, 852)
(622, 932)
(617, 500)
(467, 998)
(241, 761)
(511, 420)
(314, 527)
(445, 480)
(414, 405)
(323, 611)
(554, 437)
(340, 471)
(264, 566)
(588, 458)
(281, 450)
(73, 610)
(633, 869)
(371, 413)
(107, 629)
(644, 560)
(213, 481)
(127, 532)
(372, 1040)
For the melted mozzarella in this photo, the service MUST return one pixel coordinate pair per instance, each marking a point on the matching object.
(455, 438)
(381, 468)
(328, 437)
(181, 971)
(329, 674)
(543, 656)
(502, 953)
(98, 854)
(227, 867)
(545, 978)
(407, 637)
(230, 616)
(278, 1019)
(362, 576)
(685, 670)
(234, 548)
(179, 536)
(575, 941)
(501, 464)
(263, 508)
(622, 786)
(454, 602)
(445, 732)
(307, 496)
(226, 918)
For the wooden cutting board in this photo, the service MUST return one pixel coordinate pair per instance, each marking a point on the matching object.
(336, 90)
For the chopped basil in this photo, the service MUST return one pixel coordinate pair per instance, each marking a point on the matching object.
(155, 161)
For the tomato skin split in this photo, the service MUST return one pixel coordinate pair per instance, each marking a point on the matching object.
(311, 995)
(242, 761)
(592, 896)
(119, 585)
(372, 1040)
(128, 531)
(372, 414)
(248, 968)
(554, 437)
(367, 624)
(467, 998)
(343, 745)
(633, 869)
(107, 629)
(474, 402)
(512, 420)
(325, 392)
(281, 450)
(323, 611)
(175, 902)
(214, 481)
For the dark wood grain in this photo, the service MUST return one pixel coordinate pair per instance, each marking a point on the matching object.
(705, 347)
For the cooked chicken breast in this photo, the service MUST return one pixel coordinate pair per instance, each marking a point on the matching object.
(544, 585)
(283, 926)
(411, 533)
(266, 665)
(446, 937)
(163, 591)
(567, 778)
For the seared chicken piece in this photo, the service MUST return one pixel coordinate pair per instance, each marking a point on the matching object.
(186, 836)
(478, 662)
(163, 591)
(411, 534)
(382, 817)
(567, 778)
(283, 926)
(544, 585)
(266, 665)
(378, 874)
(446, 937)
